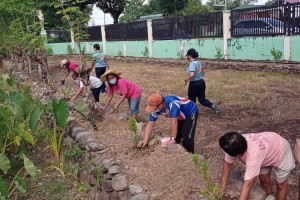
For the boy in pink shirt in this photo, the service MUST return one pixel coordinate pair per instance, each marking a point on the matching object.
(70, 66)
(123, 87)
(259, 152)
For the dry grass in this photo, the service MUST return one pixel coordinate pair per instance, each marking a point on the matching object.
(250, 102)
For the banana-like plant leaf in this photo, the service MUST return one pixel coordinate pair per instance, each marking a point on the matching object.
(35, 116)
(82, 107)
(60, 111)
(4, 163)
(25, 134)
(16, 99)
(17, 140)
(10, 81)
(3, 96)
(20, 185)
(30, 167)
(27, 103)
(3, 190)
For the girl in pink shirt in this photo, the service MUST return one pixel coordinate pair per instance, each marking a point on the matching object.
(123, 87)
(70, 66)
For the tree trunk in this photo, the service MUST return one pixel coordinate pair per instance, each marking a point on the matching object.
(115, 17)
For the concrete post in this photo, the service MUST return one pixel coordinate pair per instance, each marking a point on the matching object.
(226, 31)
(124, 48)
(150, 37)
(103, 38)
(287, 48)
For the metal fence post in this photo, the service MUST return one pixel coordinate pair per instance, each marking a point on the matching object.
(226, 31)
(150, 37)
(103, 38)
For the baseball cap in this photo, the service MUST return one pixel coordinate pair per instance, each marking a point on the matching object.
(63, 62)
(190, 52)
(153, 101)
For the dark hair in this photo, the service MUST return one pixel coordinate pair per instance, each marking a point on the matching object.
(233, 143)
(75, 75)
(192, 52)
(97, 46)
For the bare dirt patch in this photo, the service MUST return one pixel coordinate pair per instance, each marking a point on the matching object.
(251, 101)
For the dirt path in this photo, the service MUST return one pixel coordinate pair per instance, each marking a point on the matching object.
(250, 102)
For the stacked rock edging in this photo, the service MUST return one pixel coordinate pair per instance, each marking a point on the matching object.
(100, 173)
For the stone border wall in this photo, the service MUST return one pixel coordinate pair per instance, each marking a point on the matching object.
(291, 67)
(100, 173)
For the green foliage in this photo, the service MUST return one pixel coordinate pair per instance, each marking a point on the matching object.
(4, 163)
(277, 55)
(30, 167)
(60, 111)
(145, 52)
(211, 190)
(82, 107)
(3, 189)
(194, 7)
(114, 7)
(231, 4)
(74, 152)
(120, 53)
(133, 11)
(100, 175)
(133, 128)
(70, 50)
(219, 54)
(80, 186)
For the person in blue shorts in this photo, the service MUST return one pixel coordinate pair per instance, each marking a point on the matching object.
(100, 63)
(195, 73)
(183, 114)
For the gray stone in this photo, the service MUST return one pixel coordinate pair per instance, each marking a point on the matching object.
(90, 169)
(98, 160)
(83, 176)
(93, 180)
(125, 195)
(107, 186)
(152, 142)
(114, 170)
(119, 182)
(91, 138)
(85, 158)
(123, 117)
(75, 130)
(134, 189)
(270, 197)
(93, 193)
(107, 164)
(236, 175)
(114, 196)
(94, 146)
(104, 196)
(82, 137)
(108, 176)
(139, 197)
(68, 141)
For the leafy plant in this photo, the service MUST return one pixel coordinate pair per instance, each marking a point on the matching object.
(80, 186)
(277, 55)
(70, 50)
(74, 152)
(219, 54)
(133, 128)
(145, 52)
(211, 191)
(120, 53)
(60, 112)
(100, 175)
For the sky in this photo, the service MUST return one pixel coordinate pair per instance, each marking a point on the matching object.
(97, 17)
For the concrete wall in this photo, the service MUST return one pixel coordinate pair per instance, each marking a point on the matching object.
(255, 48)
(246, 48)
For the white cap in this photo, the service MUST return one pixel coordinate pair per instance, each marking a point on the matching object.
(63, 62)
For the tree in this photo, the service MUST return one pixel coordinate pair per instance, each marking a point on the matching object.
(133, 10)
(170, 7)
(114, 7)
(194, 7)
(231, 4)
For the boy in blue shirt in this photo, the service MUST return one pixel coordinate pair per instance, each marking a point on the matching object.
(100, 64)
(183, 114)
